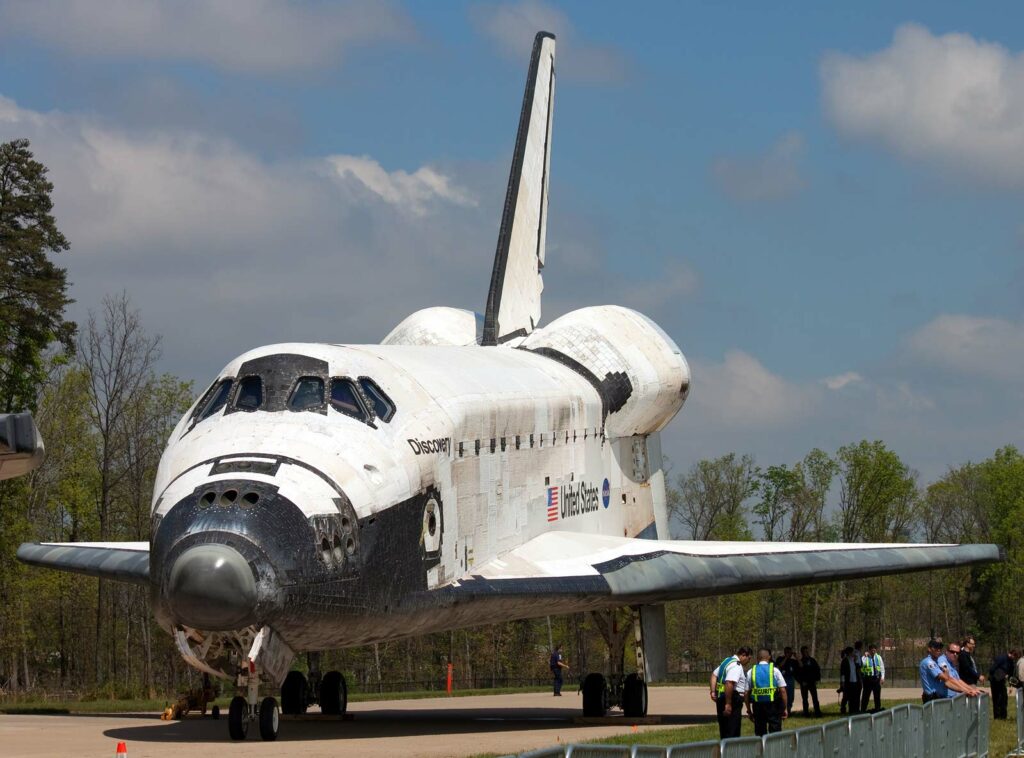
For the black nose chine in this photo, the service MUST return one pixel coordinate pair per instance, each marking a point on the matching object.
(212, 587)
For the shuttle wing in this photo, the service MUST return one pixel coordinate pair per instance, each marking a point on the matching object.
(513, 301)
(624, 571)
(120, 561)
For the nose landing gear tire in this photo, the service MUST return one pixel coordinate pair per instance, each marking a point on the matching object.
(270, 719)
(238, 718)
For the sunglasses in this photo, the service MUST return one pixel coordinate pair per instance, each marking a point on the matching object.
(952, 652)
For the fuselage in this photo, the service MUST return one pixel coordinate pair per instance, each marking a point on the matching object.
(349, 513)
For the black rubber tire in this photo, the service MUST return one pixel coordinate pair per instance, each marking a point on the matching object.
(333, 694)
(634, 696)
(215, 712)
(238, 718)
(270, 719)
(294, 693)
(595, 696)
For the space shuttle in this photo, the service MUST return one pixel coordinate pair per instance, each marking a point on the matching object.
(467, 470)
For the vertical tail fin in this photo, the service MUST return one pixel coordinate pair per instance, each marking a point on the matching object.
(513, 301)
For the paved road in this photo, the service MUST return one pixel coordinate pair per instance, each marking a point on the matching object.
(434, 727)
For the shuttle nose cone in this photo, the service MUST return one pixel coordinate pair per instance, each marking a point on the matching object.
(212, 588)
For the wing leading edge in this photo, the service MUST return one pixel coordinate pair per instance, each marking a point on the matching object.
(623, 571)
(120, 561)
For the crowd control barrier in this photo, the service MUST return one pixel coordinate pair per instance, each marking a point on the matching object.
(1019, 749)
(951, 728)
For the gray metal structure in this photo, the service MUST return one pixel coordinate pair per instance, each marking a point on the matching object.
(948, 728)
(1018, 749)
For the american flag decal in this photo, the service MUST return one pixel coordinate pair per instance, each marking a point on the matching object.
(552, 503)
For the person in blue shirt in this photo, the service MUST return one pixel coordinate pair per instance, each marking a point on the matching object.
(556, 664)
(939, 677)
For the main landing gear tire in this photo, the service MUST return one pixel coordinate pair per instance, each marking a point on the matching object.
(238, 718)
(634, 696)
(595, 696)
(333, 694)
(270, 719)
(294, 694)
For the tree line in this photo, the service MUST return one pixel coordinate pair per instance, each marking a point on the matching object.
(105, 412)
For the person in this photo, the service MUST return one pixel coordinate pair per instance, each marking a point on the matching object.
(1002, 669)
(968, 667)
(765, 696)
(849, 682)
(872, 669)
(557, 665)
(810, 675)
(939, 677)
(790, 666)
(728, 685)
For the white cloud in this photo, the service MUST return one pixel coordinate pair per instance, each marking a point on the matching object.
(740, 391)
(256, 35)
(839, 381)
(513, 26)
(413, 191)
(224, 250)
(773, 176)
(988, 347)
(951, 99)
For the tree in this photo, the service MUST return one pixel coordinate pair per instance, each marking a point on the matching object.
(118, 358)
(709, 499)
(878, 495)
(33, 290)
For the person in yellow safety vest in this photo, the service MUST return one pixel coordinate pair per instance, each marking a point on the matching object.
(727, 687)
(766, 697)
(872, 671)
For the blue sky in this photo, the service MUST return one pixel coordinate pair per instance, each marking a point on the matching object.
(819, 203)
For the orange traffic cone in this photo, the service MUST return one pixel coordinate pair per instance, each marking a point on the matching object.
(122, 750)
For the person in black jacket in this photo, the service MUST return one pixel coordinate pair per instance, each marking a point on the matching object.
(849, 682)
(810, 675)
(1001, 670)
(967, 666)
(789, 665)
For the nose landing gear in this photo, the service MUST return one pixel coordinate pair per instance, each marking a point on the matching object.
(248, 708)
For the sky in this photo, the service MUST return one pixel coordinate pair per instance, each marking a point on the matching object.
(819, 203)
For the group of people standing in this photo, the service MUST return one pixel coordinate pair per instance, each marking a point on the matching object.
(765, 691)
(861, 676)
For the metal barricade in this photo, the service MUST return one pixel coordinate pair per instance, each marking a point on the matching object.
(883, 730)
(809, 742)
(835, 738)
(1019, 750)
(780, 744)
(743, 747)
(953, 728)
(706, 749)
(649, 751)
(598, 751)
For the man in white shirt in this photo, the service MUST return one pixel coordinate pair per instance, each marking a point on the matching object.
(872, 669)
(728, 685)
(766, 697)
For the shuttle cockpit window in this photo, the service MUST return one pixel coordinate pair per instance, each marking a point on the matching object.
(215, 398)
(308, 394)
(383, 408)
(250, 393)
(345, 399)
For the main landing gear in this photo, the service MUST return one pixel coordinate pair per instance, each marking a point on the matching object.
(600, 694)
